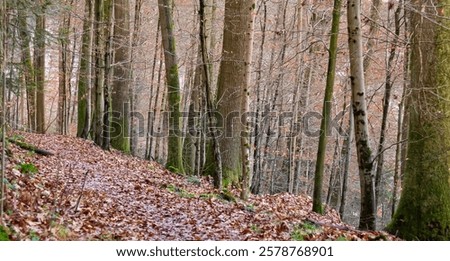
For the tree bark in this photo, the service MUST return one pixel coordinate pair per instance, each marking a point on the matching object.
(233, 83)
(120, 102)
(175, 146)
(386, 101)
(424, 208)
(365, 164)
(85, 72)
(29, 70)
(326, 109)
(39, 53)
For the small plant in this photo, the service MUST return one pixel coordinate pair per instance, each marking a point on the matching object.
(18, 137)
(185, 194)
(255, 228)
(180, 192)
(27, 168)
(309, 227)
(34, 236)
(194, 180)
(107, 237)
(62, 232)
(250, 208)
(302, 230)
(341, 238)
(172, 188)
(207, 196)
(4, 234)
(173, 169)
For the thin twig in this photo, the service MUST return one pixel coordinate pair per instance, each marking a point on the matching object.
(82, 190)
(385, 149)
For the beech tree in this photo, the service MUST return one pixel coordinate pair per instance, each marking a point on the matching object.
(175, 146)
(120, 138)
(424, 209)
(326, 110)
(365, 163)
(233, 85)
(39, 56)
(85, 72)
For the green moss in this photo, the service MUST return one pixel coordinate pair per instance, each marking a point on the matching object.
(424, 208)
(4, 234)
(231, 177)
(27, 168)
(179, 191)
(119, 134)
(304, 230)
(175, 146)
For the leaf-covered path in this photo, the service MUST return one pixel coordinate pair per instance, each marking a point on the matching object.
(85, 193)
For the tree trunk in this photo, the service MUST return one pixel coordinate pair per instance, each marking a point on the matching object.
(3, 37)
(175, 146)
(326, 111)
(39, 55)
(233, 83)
(424, 208)
(346, 153)
(257, 175)
(365, 163)
(99, 75)
(64, 74)
(29, 70)
(152, 108)
(386, 101)
(108, 73)
(120, 102)
(211, 110)
(136, 41)
(85, 72)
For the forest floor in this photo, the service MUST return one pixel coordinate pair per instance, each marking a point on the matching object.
(85, 193)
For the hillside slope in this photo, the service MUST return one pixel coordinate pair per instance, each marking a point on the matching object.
(84, 193)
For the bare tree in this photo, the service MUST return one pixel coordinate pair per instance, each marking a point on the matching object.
(365, 163)
(175, 146)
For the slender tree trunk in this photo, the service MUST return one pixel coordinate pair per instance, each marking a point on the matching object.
(346, 152)
(99, 77)
(161, 109)
(386, 101)
(292, 141)
(64, 74)
(175, 146)
(3, 46)
(120, 102)
(29, 70)
(135, 79)
(108, 74)
(367, 217)
(398, 146)
(85, 72)
(153, 107)
(210, 107)
(257, 175)
(326, 111)
(39, 53)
